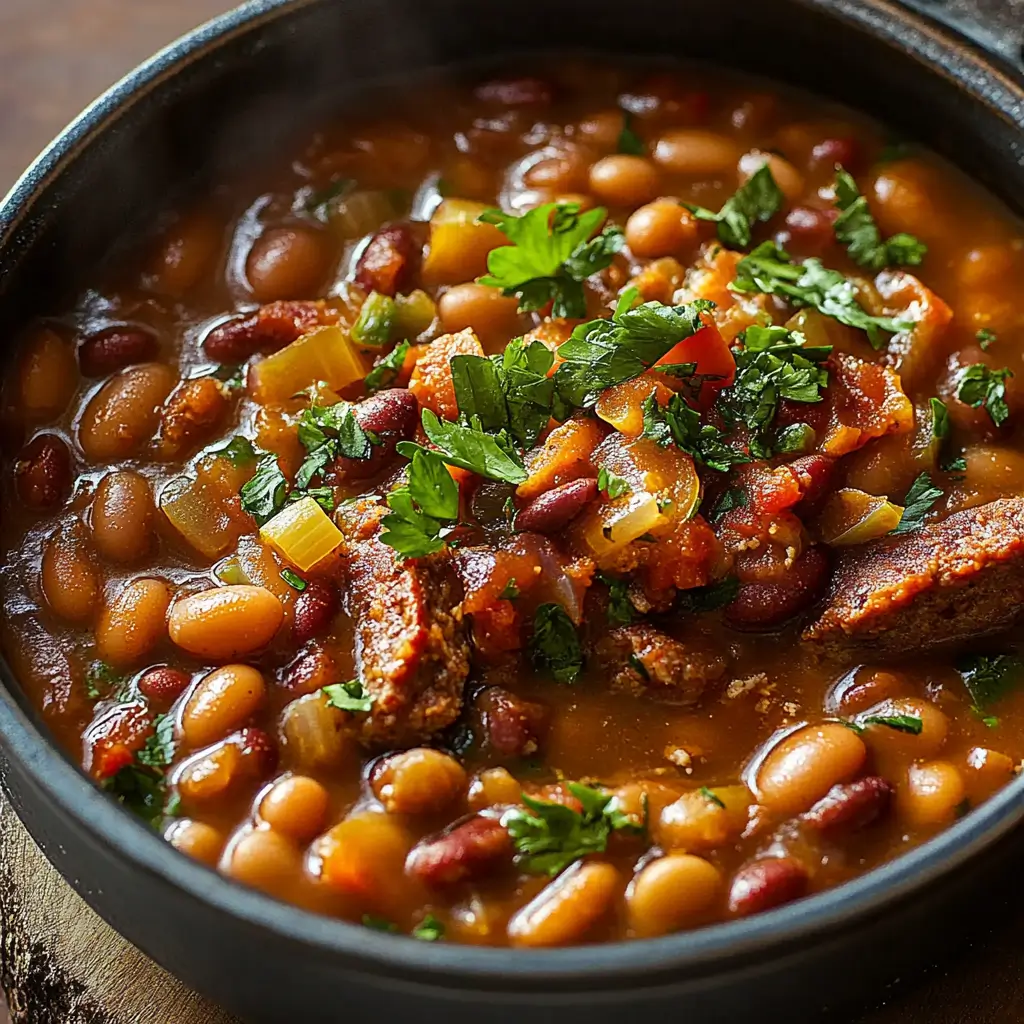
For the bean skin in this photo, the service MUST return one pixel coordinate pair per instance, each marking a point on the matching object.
(768, 605)
(555, 509)
(314, 609)
(418, 781)
(850, 807)
(468, 850)
(243, 757)
(765, 883)
(191, 414)
(108, 351)
(387, 263)
(69, 578)
(123, 517)
(42, 472)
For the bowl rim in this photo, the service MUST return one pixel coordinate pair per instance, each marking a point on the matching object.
(605, 966)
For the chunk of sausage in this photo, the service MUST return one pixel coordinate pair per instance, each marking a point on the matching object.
(645, 662)
(410, 639)
(961, 578)
(270, 328)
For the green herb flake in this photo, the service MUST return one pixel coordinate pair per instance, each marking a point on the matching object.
(510, 591)
(940, 419)
(424, 511)
(158, 751)
(555, 644)
(709, 598)
(621, 611)
(985, 338)
(376, 321)
(468, 446)
(329, 432)
(629, 142)
(923, 494)
(430, 929)
(756, 201)
(711, 797)
(102, 680)
(238, 451)
(981, 386)
(612, 485)
(678, 424)
(349, 696)
(141, 790)
(379, 924)
(989, 677)
(265, 494)
(901, 723)
(795, 439)
(293, 579)
(386, 372)
(732, 497)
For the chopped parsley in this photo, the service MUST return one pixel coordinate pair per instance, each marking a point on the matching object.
(328, 432)
(629, 142)
(551, 254)
(379, 924)
(348, 696)
(711, 797)
(901, 723)
(376, 321)
(918, 503)
(678, 424)
(238, 451)
(795, 439)
(981, 386)
(621, 611)
(612, 485)
(468, 446)
(988, 677)
(549, 837)
(158, 751)
(770, 270)
(510, 591)
(732, 497)
(985, 338)
(759, 199)
(430, 929)
(102, 680)
(555, 644)
(940, 419)
(293, 579)
(141, 790)
(423, 511)
(709, 598)
(857, 230)
(265, 494)
(386, 372)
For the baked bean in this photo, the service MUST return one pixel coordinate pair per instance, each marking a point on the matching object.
(986, 771)
(485, 310)
(564, 911)
(69, 579)
(314, 609)
(287, 263)
(671, 893)
(988, 266)
(466, 851)
(849, 807)
(493, 786)
(704, 820)
(885, 740)
(805, 765)
(222, 702)
(163, 685)
(115, 348)
(696, 152)
(47, 375)
(555, 509)
(124, 414)
(902, 199)
(418, 781)
(661, 228)
(602, 128)
(123, 516)
(787, 177)
(186, 252)
(364, 855)
(134, 622)
(226, 622)
(245, 757)
(510, 725)
(42, 472)
(765, 883)
(624, 180)
(933, 793)
(198, 840)
(295, 806)
(263, 859)
(859, 693)
(566, 172)
(314, 734)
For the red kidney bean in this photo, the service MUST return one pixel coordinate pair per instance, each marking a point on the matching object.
(468, 850)
(765, 883)
(514, 92)
(513, 726)
(314, 609)
(258, 749)
(829, 152)
(42, 472)
(270, 328)
(809, 230)
(392, 415)
(309, 672)
(115, 348)
(815, 473)
(767, 605)
(388, 261)
(850, 806)
(163, 685)
(556, 508)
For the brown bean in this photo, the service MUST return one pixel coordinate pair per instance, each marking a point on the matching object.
(662, 228)
(69, 579)
(134, 622)
(288, 263)
(625, 180)
(479, 308)
(186, 252)
(198, 840)
(123, 415)
(564, 911)
(697, 821)
(515, 92)
(47, 375)
(849, 807)
(933, 793)
(226, 622)
(264, 859)
(555, 509)
(885, 741)
(115, 348)
(388, 262)
(466, 851)
(296, 806)
(491, 787)
(314, 609)
(123, 517)
(222, 702)
(418, 781)
(163, 685)
(191, 414)
(765, 883)
(42, 472)
(392, 415)
(670, 893)
(512, 725)
(696, 151)
(363, 855)
(243, 758)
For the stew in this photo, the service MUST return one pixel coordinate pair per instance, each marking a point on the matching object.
(548, 508)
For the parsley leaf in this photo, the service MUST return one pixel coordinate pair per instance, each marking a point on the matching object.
(265, 494)
(415, 526)
(555, 644)
(293, 579)
(733, 497)
(548, 837)
(856, 229)
(238, 451)
(629, 142)
(510, 591)
(102, 680)
(759, 199)
(468, 447)
(940, 419)
(602, 353)
(430, 929)
(794, 439)
(769, 269)
(376, 321)
(621, 611)
(384, 374)
(918, 502)
(981, 386)
(348, 696)
(676, 423)
(328, 432)
(158, 751)
(901, 723)
(551, 254)
(612, 485)
(988, 677)
(711, 797)
(707, 599)
(985, 338)
(141, 790)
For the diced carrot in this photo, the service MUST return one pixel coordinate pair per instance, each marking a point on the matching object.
(621, 406)
(710, 351)
(431, 380)
(564, 456)
(659, 280)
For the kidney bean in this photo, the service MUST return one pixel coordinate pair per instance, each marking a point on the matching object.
(767, 605)
(42, 472)
(314, 609)
(191, 414)
(115, 348)
(514, 727)
(226, 622)
(309, 672)
(808, 230)
(69, 579)
(556, 508)
(393, 415)
(829, 152)
(515, 92)
(163, 685)
(123, 517)
(134, 622)
(468, 850)
(765, 883)
(418, 781)
(851, 806)
(388, 262)
(270, 328)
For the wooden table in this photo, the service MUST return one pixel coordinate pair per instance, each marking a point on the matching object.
(58, 962)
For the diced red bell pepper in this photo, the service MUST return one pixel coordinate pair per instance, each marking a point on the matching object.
(710, 351)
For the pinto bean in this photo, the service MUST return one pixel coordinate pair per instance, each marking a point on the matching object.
(515, 92)
(46, 375)
(513, 726)
(314, 609)
(113, 349)
(123, 517)
(661, 228)
(287, 262)
(849, 807)
(555, 509)
(198, 840)
(363, 855)
(388, 261)
(42, 472)
(163, 685)
(191, 414)
(134, 622)
(933, 792)
(418, 781)
(625, 180)
(697, 822)
(493, 786)
(393, 415)
(226, 622)
(670, 893)
(564, 911)
(468, 850)
(769, 604)
(787, 177)
(244, 757)
(695, 151)
(765, 883)
(69, 579)
(264, 859)
(295, 806)
(222, 702)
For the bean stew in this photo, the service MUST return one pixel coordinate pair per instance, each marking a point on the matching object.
(544, 508)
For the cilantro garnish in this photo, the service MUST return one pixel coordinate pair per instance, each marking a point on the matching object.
(621, 611)
(629, 142)
(348, 696)
(988, 677)
(918, 503)
(430, 929)
(328, 432)
(707, 599)
(384, 374)
(378, 923)
(551, 255)
(425, 509)
(901, 723)
(678, 424)
(985, 338)
(265, 494)
(238, 451)
(469, 447)
(940, 419)
(856, 229)
(555, 644)
(759, 199)
(612, 485)
(102, 680)
(981, 386)
(141, 790)
(732, 497)
(548, 837)
(510, 591)
(158, 751)
(770, 270)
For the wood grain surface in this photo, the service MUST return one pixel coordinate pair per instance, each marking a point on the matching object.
(58, 962)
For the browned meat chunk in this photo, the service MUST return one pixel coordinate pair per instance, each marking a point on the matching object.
(960, 578)
(410, 639)
(645, 662)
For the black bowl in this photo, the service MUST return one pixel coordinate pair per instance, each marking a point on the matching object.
(227, 94)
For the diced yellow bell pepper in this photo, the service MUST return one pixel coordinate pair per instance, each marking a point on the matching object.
(302, 534)
(458, 243)
(326, 354)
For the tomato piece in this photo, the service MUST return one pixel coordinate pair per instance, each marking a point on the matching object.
(710, 351)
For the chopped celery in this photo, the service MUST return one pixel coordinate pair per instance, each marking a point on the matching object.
(326, 354)
(376, 322)
(302, 534)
